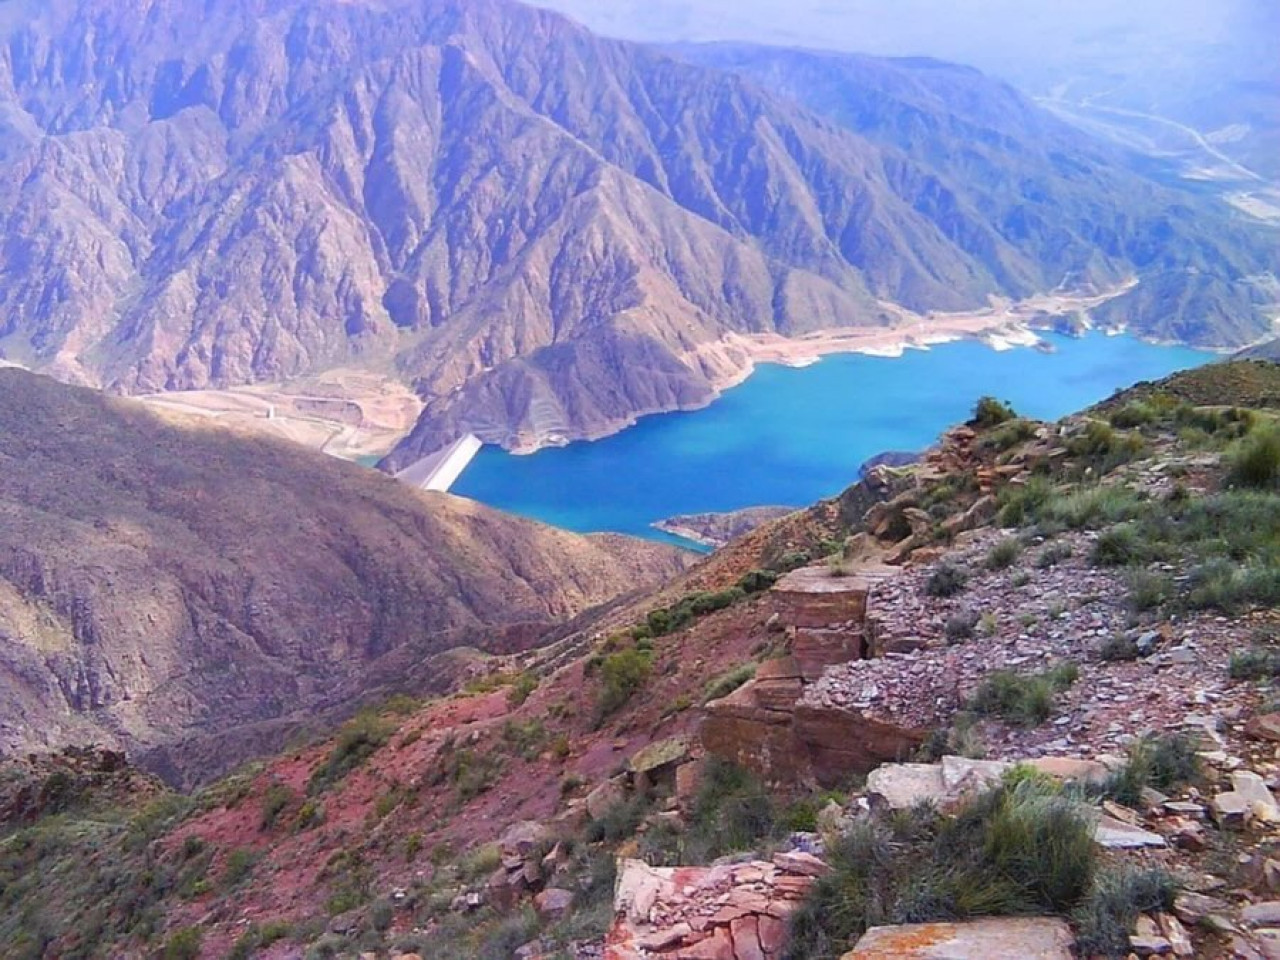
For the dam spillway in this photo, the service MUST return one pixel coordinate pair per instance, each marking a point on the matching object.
(440, 470)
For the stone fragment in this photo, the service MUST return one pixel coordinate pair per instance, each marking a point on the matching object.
(1114, 834)
(1173, 931)
(667, 937)
(805, 864)
(553, 902)
(1266, 914)
(605, 797)
(1264, 727)
(745, 933)
(1268, 942)
(521, 838)
(1149, 946)
(1025, 938)
(1069, 768)
(1253, 788)
(1230, 810)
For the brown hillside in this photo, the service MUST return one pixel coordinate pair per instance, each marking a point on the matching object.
(163, 582)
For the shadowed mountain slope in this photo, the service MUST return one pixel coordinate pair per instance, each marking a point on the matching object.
(163, 582)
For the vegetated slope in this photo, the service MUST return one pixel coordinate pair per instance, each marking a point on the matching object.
(546, 233)
(165, 586)
(430, 827)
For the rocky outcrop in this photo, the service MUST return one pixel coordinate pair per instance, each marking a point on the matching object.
(735, 911)
(765, 725)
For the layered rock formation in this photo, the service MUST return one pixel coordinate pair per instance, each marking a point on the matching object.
(164, 583)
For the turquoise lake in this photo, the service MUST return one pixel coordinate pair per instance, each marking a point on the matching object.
(790, 436)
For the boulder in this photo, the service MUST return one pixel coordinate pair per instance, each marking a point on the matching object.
(1193, 908)
(1264, 727)
(1039, 938)
(659, 755)
(553, 902)
(1070, 768)
(604, 798)
(522, 838)
(1115, 834)
(1266, 914)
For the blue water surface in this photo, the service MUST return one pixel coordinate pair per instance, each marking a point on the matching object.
(790, 436)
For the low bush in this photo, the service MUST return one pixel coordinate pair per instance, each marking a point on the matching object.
(1104, 921)
(239, 867)
(1256, 663)
(1119, 648)
(183, 944)
(1229, 586)
(277, 797)
(1003, 554)
(622, 675)
(947, 580)
(1148, 590)
(1052, 555)
(1118, 547)
(358, 739)
(1163, 762)
(522, 688)
(728, 682)
(1255, 462)
(1023, 848)
(1023, 699)
(961, 626)
(989, 412)
(757, 581)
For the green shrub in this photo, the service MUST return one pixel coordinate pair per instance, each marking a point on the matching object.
(1255, 463)
(1135, 413)
(947, 580)
(1104, 921)
(1256, 663)
(1024, 699)
(1020, 504)
(1052, 555)
(1008, 435)
(622, 675)
(756, 581)
(728, 682)
(1117, 547)
(732, 810)
(1003, 554)
(989, 412)
(358, 739)
(1119, 648)
(239, 866)
(1221, 584)
(522, 689)
(1148, 590)
(1163, 762)
(960, 626)
(1024, 848)
(258, 937)
(277, 797)
(184, 944)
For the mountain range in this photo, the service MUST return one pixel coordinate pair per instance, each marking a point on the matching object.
(194, 594)
(545, 233)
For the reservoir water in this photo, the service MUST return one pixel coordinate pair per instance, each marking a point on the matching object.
(790, 436)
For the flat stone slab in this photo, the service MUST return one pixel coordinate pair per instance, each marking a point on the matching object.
(1035, 938)
(819, 579)
(1117, 835)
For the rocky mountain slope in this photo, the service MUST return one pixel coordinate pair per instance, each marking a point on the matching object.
(192, 594)
(1069, 630)
(545, 233)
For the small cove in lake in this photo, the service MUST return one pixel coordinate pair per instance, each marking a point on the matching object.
(793, 435)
